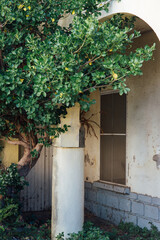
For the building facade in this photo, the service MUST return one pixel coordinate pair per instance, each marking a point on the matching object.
(122, 158)
(122, 168)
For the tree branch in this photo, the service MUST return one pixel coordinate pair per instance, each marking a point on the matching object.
(81, 45)
(25, 145)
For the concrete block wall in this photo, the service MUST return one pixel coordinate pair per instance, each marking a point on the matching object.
(122, 205)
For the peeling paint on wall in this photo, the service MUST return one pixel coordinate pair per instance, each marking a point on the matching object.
(89, 161)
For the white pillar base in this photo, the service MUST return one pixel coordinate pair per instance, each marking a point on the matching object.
(67, 190)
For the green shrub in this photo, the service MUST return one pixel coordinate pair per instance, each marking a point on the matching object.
(89, 232)
(11, 183)
(12, 224)
(130, 231)
(125, 231)
(8, 212)
(23, 231)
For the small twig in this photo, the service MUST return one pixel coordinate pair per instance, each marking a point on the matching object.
(90, 61)
(3, 25)
(81, 46)
(95, 86)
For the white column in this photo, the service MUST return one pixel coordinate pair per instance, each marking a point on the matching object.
(68, 179)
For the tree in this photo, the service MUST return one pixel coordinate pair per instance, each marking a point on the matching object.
(46, 68)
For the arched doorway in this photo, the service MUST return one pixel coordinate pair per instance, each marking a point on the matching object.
(138, 199)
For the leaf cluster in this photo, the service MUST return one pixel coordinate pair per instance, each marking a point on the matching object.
(46, 68)
(11, 183)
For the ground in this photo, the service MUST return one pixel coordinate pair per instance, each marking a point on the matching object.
(37, 226)
(124, 231)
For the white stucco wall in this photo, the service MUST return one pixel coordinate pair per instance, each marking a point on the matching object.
(143, 114)
(143, 124)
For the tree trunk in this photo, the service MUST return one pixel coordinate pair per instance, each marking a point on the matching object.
(27, 161)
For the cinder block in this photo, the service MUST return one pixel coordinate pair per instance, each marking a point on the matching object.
(103, 214)
(92, 195)
(124, 204)
(96, 209)
(120, 189)
(133, 195)
(142, 222)
(157, 224)
(88, 205)
(129, 218)
(112, 201)
(86, 194)
(106, 213)
(101, 197)
(144, 198)
(102, 185)
(156, 201)
(159, 212)
(94, 188)
(117, 216)
(151, 212)
(138, 208)
(87, 185)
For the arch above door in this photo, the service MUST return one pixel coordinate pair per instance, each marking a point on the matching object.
(147, 10)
